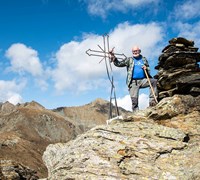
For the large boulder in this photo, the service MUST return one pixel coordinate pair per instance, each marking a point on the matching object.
(156, 143)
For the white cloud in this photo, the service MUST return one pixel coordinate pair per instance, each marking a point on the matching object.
(143, 101)
(125, 102)
(10, 91)
(187, 10)
(77, 71)
(146, 36)
(15, 98)
(189, 31)
(136, 3)
(24, 59)
(101, 8)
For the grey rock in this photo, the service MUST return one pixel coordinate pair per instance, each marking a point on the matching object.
(178, 69)
(13, 170)
(147, 145)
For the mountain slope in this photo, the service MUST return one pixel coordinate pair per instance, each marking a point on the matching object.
(27, 129)
(87, 116)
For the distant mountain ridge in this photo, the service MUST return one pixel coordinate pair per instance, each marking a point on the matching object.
(89, 115)
(26, 129)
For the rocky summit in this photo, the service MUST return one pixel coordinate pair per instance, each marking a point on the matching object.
(156, 143)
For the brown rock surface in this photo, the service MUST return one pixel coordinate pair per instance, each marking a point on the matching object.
(178, 69)
(157, 143)
(26, 129)
(13, 171)
(88, 116)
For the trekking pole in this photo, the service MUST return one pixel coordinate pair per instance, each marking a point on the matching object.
(150, 85)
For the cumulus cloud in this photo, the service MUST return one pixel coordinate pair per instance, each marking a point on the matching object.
(187, 10)
(77, 71)
(10, 91)
(189, 31)
(143, 101)
(146, 36)
(101, 8)
(15, 98)
(74, 70)
(24, 59)
(125, 102)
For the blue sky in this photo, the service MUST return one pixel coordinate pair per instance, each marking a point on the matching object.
(43, 44)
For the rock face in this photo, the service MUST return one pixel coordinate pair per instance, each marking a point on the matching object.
(157, 143)
(178, 69)
(27, 129)
(12, 170)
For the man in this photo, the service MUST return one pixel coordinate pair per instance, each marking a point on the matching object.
(136, 77)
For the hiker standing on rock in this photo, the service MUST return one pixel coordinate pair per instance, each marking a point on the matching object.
(138, 76)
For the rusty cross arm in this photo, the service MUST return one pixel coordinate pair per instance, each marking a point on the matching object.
(106, 54)
(102, 53)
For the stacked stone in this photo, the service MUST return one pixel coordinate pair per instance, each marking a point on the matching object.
(178, 69)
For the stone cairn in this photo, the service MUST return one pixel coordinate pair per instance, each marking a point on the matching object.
(178, 69)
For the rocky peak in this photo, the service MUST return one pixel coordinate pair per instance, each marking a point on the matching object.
(89, 115)
(161, 142)
(99, 101)
(32, 105)
(6, 107)
(156, 143)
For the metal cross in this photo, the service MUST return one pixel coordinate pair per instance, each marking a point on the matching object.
(105, 53)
